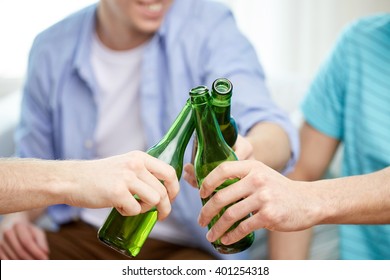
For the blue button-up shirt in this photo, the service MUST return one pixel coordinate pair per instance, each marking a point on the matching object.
(197, 43)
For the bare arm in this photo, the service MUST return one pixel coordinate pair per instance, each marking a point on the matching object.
(363, 199)
(111, 182)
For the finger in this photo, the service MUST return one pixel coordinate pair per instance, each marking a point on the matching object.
(232, 215)
(163, 205)
(127, 205)
(243, 229)
(165, 173)
(7, 253)
(40, 238)
(166, 206)
(243, 148)
(224, 171)
(26, 237)
(151, 192)
(221, 199)
(3, 255)
(189, 175)
(13, 246)
(148, 188)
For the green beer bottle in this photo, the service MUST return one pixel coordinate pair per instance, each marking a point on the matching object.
(221, 94)
(212, 151)
(128, 234)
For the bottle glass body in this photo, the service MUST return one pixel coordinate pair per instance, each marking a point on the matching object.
(221, 94)
(212, 151)
(128, 234)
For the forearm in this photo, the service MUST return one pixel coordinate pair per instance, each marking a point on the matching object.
(363, 199)
(28, 184)
(271, 145)
(289, 245)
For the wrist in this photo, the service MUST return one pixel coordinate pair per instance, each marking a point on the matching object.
(317, 207)
(62, 182)
(325, 202)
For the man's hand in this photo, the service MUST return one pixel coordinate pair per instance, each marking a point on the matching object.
(114, 181)
(22, 240)
(276, 202)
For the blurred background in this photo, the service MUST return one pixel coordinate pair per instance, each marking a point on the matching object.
(292, 38)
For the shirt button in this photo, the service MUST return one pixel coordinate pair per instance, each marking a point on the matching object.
(88, 144)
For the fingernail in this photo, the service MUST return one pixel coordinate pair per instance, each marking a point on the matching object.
(225, 240)
(200, 222)
(210, 236)
(201, 192)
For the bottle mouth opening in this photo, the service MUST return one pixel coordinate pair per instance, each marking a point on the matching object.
(198, 90)
(222, 86)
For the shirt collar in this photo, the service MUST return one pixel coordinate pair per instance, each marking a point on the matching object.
(81, 62)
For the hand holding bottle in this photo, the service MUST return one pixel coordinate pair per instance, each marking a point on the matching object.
(115, 180)
(276, 202)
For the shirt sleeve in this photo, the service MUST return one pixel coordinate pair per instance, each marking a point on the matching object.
(323, 106)
(34, 132)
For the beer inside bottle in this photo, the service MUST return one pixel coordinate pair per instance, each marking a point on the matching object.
(212, 151)
(128, 234)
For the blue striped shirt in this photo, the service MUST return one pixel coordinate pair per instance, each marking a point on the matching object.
(350, 100)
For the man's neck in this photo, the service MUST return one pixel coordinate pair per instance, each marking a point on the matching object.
(118, 37)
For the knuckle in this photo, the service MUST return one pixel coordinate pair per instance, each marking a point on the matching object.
(257, 180)
(229, 215)
(243, 228)
(218, 198)
(223, 168)
(136, 154)
(163, 194)
(116, 193)
(171, 172)
(136, 162)
(154, 199)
